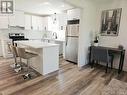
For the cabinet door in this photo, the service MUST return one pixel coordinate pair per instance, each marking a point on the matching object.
(60, 47)
(20, 18)
(1, 53)
(3, 22)
(34, 23)
(40, 23)
(28, 22)
(12, 20)
(73, 14)
(46, 23)
(62, 21)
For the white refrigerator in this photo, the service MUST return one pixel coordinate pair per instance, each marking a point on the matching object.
(72, 37)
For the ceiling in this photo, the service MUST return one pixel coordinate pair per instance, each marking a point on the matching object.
(42, 7)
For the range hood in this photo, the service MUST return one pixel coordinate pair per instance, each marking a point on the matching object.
(16, 27)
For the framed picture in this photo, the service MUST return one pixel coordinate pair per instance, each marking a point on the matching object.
(110, 22)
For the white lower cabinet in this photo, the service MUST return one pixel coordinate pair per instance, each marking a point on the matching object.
(61, 46)
(1, 54)
(44, 63)
(6, 53)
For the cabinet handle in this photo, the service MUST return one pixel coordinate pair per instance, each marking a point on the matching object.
(31, 27)
(66, 35)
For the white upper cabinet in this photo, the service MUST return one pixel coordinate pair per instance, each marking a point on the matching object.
(46, 23)
(18, 19)
(3, 22)
(73, 14)
(40, 23)
(34, 23)
(28, 22)
(62, 21)
(24, 20)
(37, 23)
(11, 20)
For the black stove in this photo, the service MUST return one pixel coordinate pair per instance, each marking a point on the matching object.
(17, 37)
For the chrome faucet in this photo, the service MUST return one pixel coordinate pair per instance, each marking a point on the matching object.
(54, 35)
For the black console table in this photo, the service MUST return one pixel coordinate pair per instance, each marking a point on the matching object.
(113, 51)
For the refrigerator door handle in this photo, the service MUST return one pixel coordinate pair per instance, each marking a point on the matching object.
(66, 36)
(66, 41)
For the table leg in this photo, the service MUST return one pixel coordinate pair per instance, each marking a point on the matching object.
(90, 56)
(121, 62)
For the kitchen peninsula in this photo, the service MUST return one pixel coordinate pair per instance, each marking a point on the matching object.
(47, 60)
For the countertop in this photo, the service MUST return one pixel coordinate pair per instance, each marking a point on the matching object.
(36, 44)
(59, 40)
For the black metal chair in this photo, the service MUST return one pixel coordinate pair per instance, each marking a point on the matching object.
(100, 54)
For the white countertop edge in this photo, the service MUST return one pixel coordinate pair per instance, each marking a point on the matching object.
(35, 45)
(53, 39)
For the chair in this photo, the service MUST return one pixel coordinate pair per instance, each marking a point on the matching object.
(26, 55)
(9, 44)
(16, 65)
(101, 54)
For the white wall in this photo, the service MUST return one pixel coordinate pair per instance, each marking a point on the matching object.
(87, 27)
(121, 39)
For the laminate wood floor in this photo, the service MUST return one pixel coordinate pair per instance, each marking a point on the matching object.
(69, 80)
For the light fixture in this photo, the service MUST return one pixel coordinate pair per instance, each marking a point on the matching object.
(63, 5)
(46, 3)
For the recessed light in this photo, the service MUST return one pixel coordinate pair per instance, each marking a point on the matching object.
(63, 5)
(46, 3)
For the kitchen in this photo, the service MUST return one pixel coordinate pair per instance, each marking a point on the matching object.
(63, 47)
(46, 22)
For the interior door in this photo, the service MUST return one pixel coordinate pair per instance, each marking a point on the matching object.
(72, 49)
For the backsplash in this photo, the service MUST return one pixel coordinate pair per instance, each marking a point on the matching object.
(30, 34)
